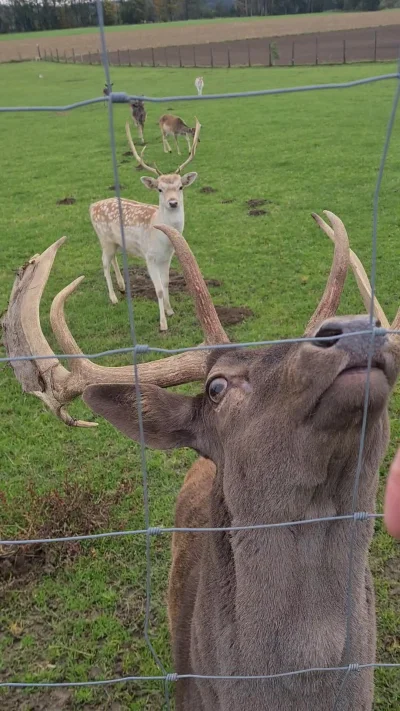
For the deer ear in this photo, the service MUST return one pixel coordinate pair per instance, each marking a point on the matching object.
(150, 183)
(188, 179)
(169, 420)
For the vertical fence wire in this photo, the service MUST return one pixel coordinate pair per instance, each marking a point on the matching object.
(348, 667)
(132, 329)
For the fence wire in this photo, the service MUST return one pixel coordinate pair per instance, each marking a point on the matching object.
(355, 517)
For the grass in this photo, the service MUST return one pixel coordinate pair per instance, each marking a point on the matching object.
(79, 613)
(149, 26)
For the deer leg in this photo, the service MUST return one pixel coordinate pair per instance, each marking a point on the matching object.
(188, 141)
(107, 257)
(120, 278)
(177, 145)
(140, 132)
(164, 274)
(155, 277)
(166, 144)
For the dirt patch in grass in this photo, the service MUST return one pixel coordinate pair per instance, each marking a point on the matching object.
(207, 189)
(47, 700)
(67, 201)
(231, 315)
(72, 510)
(113, 187)
(141, 284)
(257, 202)
(227, 202)
(257, 213)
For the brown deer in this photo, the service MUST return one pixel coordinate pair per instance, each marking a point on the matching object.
(278, 432)
(174, 126)
(138, 116)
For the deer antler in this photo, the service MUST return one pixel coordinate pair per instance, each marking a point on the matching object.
(52, 382)
(138, 157)
(331, 297)
(362, 282)
(193, 148)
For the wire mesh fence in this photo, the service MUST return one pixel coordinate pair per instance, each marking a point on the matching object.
(355, 517)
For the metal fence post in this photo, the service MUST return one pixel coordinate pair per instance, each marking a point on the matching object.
(90, 57)
(166, 56)
(269, 55)
(212, 56)
(194, 55)
(152, 56)
(129, 58)
(119, 57)
(316, 51)
(375, 44)
(248, 53)
(180, 56)
(293, 54)
(229, 58)
(344, 51)
(38, 51)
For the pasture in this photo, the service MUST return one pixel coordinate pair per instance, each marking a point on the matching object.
(76, 612)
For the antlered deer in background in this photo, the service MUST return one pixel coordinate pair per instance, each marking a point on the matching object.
(279, 428)
(174, 126)
(142, 239)
(199, 84)
(138, 116)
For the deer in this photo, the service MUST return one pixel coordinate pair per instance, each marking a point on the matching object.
(107, 91)
(174, 126)
(142, 239)
(199, 84)
(277, 431)
(138, 116)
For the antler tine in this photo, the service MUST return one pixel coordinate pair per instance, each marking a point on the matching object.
(360, 275)
(136, 155)
(193, 148)
(205, 309)
(47, 378)
(331, 297)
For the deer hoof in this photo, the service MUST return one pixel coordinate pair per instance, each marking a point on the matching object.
(114, 299)
(163, 327)
(170, 312)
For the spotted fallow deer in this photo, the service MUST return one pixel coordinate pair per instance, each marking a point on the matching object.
(278, 431)
(142, 239)
(174, 126)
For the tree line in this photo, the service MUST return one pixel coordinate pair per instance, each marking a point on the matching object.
(31, 15)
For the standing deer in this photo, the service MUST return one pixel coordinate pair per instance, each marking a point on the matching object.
(138, 116)
(278, 433)
(142, 239)
(174, 126)
(106, 91)
(199, 84)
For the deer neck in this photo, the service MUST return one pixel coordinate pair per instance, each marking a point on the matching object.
(285, 584)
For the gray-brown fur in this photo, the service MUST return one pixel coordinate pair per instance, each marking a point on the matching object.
(280, 445)
(139, 115)
(174, 126)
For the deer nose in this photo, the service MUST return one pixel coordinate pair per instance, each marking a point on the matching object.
(352, 327)
(173, 203)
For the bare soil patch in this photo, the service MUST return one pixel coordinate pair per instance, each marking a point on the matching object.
(114, 187)
(66, 201)
(174, 36)
(141, 285)
(72, 510)
(207, 189)
(257, 202)
(257, 213)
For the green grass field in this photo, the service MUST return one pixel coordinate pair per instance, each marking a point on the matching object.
(77, 613)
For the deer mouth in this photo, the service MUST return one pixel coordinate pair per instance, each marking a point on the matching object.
(358, 373)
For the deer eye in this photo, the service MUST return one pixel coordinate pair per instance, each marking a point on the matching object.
(159, 190)
(181, 187)
(216, 388)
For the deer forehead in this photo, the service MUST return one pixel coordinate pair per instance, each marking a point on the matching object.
(170, 182)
